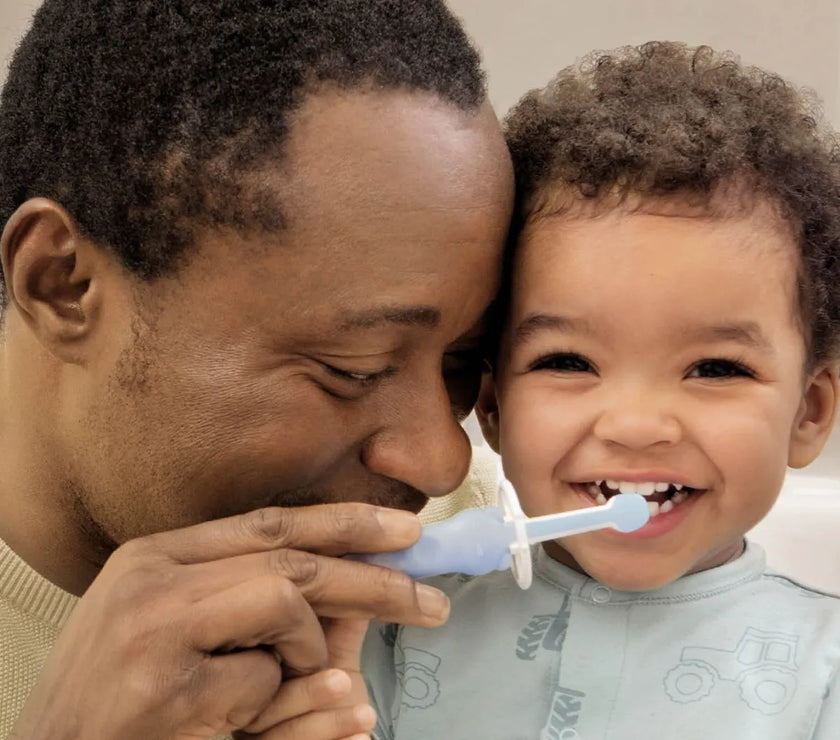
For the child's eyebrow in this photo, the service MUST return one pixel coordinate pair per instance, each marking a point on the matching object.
(742, 332)
(748, 333)
(537, 322)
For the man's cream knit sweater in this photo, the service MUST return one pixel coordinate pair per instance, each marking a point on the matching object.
(33, 610)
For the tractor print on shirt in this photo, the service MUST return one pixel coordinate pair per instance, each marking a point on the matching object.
(548, 632)
(417, 673)
(763, 664)
(544, 630)
(566, 705)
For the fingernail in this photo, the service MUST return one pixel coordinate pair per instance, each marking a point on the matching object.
(365, 715)
(433, 603)
(397, 523)
(338, 682)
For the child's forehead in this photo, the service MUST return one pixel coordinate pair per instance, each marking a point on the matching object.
(660, 255)
(559, 210)
(666, 231)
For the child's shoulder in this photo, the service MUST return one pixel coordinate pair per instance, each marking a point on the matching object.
(787, 586)
(776, 603)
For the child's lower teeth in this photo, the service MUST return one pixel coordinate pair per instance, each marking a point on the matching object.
(655, 507)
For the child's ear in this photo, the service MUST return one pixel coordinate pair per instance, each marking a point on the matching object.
(815, 418)
(487, 411)
(49, 270)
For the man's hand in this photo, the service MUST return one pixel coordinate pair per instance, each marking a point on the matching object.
(190, 634)
(349, 707)
(324, 706)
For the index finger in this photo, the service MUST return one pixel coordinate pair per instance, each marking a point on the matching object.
(325, 529)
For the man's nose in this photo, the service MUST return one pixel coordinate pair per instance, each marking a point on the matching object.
(637, 418)
(422, 445)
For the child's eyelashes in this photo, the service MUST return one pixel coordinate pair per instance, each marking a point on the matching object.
(720, 368)
(563, 362)
(713, 368)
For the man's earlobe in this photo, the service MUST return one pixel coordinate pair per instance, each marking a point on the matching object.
(49, 270)
(487, 411)
(815, 418)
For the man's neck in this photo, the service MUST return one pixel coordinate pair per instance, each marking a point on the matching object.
(38, 520)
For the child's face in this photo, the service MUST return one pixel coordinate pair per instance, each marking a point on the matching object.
(663, 351)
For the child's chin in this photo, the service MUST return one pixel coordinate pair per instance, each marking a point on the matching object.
(618, 570)
(634, 581)
(630, 576)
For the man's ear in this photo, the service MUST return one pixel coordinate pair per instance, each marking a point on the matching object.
(487, 411)
(815, 418)
(49, 271)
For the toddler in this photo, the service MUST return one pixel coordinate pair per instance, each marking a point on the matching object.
(671, 327)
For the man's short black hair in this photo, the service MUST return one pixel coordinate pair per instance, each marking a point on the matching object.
(142, 117)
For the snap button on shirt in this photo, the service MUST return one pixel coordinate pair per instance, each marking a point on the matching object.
(601, 594)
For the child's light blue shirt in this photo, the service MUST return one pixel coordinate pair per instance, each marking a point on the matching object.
(735, 652)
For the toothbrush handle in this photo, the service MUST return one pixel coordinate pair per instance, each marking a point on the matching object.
(553, 526)
(625, 512)
(475, 541)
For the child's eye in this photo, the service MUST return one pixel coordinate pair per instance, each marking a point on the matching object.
(720, 368)
(564, 362)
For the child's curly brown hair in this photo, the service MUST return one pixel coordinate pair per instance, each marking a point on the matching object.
(666, 119)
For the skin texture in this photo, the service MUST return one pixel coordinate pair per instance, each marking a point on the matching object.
(656, 346)
(327, 363)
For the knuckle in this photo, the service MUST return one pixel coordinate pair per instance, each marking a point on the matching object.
(133, 550)
(391, 587)
(149, 550)
(144, 609)
(212, 697)
(139, 592)
(289, 600)
(271, 526)
(140, 583)
(300, 568)
(350, 521)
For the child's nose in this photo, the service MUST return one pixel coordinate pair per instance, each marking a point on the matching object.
(636, 420)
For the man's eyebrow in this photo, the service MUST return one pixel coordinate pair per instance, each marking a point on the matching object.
(537, 322)
(403, 315)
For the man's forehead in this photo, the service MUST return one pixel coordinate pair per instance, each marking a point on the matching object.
(409, 138)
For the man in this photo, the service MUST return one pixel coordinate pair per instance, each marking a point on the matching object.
(247, 251)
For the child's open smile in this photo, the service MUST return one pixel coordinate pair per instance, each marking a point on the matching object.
(657, 351)
(661, 496)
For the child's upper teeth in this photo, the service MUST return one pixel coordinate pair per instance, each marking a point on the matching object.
(646, 488)
(612, 484)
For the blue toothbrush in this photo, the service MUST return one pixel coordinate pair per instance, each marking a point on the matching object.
(477, 541)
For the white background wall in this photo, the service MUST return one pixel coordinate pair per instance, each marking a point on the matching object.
(524, 42)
